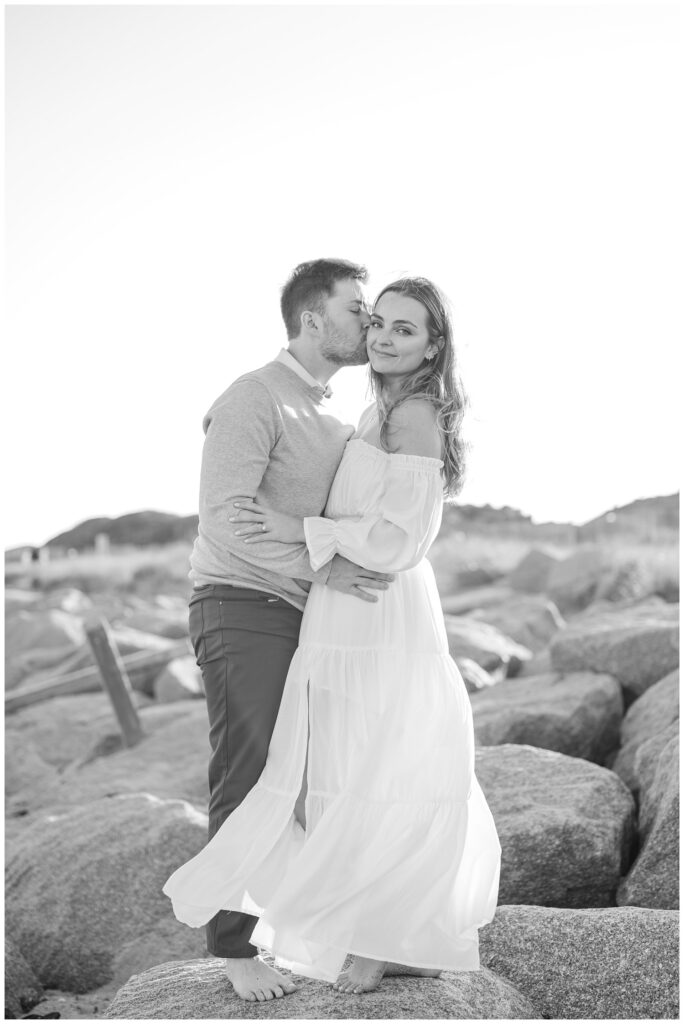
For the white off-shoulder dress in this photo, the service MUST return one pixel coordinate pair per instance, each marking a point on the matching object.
(400, 858)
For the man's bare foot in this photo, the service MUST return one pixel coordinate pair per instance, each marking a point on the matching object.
(255, 981)
(419, 972)
(363, 976)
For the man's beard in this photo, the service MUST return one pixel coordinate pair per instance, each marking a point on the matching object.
(333, 348)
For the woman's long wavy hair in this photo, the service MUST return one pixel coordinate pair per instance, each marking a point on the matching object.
(435, 379)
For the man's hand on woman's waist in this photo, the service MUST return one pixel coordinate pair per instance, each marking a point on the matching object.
(350, 578)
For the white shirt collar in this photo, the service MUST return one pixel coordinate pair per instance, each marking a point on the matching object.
(289, 360)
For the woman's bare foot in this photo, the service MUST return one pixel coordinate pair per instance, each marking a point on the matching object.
(255, 981)
(419, 972)
(363, 976)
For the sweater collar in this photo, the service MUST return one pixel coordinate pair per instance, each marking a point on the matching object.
(287, 359)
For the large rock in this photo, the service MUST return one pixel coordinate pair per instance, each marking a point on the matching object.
(162, 942)
(484, 644)
(476, 597)
(531, 574)
(538, 665)
(199, 990)
(572, 582)
(631, 580)
(652, 712)
(475, 574)
(637, 649)
(42, 739)
(445, 566)
(171, 761)
(530, 620)
(51, 628)
(22, 988)
(39, 639)
(25, 767)
(653, 879)
(64, 729)
(646, 766)
(662, 788)
(181, 679)
(648, 716)
(82, 885)
(566, 826)
(613, 964)
(578, 714)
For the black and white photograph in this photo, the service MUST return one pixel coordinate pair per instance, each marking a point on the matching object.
(341, 519)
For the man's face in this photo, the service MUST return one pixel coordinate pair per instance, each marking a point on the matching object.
(345, 323)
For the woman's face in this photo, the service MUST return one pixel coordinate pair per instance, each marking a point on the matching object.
(398, 341)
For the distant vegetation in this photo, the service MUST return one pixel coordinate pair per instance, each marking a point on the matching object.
(138, 528)
(648, 519)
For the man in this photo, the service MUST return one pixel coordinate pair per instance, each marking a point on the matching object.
(269, 437)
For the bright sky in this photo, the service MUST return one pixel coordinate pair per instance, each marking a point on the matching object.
(166, 168)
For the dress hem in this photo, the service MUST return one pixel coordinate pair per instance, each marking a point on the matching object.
(323, 976)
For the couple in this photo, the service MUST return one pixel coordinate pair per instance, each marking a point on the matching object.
(344, 814)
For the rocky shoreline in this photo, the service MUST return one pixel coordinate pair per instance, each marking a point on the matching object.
(574, 686)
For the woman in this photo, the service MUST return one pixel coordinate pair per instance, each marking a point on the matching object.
(393, 856)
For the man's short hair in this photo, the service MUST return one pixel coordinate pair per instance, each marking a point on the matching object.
(310, 284)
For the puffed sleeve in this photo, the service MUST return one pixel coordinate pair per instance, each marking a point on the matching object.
(399, 535)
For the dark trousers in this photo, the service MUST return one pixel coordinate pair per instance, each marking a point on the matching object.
(244, 641)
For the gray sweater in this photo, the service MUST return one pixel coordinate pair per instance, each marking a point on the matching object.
(269, 436)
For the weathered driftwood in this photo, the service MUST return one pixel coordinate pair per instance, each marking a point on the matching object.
(127, 640)
(141, 668)
(114, 679)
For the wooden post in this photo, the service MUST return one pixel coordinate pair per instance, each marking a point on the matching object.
(115, 678)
